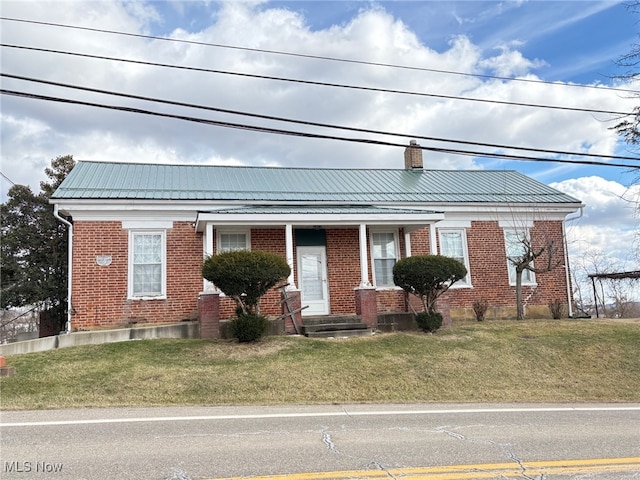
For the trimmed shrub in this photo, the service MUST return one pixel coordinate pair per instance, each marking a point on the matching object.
(429, 321)
(249, 327)
(427, 276)
(245, 275)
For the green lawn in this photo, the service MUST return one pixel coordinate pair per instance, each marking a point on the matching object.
(506, 361)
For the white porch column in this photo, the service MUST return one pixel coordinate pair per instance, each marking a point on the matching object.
(289, 255)
(432, 239)
(364, 264)
(207, 241)
(407, 243)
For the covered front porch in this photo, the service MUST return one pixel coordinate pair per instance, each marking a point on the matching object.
(340, 256)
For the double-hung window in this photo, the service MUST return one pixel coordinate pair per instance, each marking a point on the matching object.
(233, 241)
(147, 264)
(516, 244)
(384, 250)
(453, 244)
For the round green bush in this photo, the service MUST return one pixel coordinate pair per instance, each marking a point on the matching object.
(429, 321)
(249, 327)
(427, 276)
(245, 275)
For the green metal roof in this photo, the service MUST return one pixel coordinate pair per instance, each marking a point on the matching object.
(132, 181)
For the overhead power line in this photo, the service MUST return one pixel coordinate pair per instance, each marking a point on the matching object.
(318, 57)
(254, 128)
(322, 84)
(308, 123)
(7, 178)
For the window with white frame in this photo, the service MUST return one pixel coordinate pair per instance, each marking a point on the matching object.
(232, 241)
(453, 244)
(384, 250)
(147, 264)
(516, 242)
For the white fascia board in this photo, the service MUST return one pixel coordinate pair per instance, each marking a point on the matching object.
(146, 205)
(265, 219)
(132, 215)
(493, 207)
(498, 213)
(187, 210)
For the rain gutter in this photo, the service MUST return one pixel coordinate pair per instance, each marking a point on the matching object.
(67, 328)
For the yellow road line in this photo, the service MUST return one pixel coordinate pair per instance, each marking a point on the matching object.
(473, 471)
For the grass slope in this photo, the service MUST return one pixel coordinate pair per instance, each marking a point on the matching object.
(506, 361)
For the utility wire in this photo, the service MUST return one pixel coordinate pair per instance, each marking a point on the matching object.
(503, 156)
(311, 82)
(308, 123)
(7, 178)
(316, 57)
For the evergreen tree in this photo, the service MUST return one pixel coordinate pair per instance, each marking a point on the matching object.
(34, 247)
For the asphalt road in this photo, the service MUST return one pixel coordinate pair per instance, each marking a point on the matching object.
(352, 441)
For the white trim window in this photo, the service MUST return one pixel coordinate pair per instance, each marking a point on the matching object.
(147, 264)
(384, 254)
(516, 242)
(453, 244)
(233, 240)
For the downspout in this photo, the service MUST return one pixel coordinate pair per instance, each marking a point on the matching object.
(566, 258)
(69, 267)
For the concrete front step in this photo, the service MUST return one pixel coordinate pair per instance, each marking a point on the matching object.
(327, 319)
(334, 326)
(329, 327)
(360, 332)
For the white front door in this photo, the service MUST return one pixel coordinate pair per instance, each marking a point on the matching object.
(312, 275)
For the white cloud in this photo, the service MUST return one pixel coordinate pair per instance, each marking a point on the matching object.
(510, 63)
(609, 227)
(34, 132)
(373, 35)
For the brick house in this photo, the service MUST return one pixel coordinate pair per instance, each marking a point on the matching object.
(140, 232)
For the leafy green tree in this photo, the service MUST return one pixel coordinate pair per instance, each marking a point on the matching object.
(33, 247)
(245, 275)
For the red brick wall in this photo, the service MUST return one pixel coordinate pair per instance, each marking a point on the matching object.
(391, 300)
(489, 274)
(420, 242)
(99, 294)
(489, 271)
(343, 268)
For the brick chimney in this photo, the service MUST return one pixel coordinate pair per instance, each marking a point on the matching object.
(413, 156)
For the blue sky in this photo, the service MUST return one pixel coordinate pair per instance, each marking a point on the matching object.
(564, 42)
(578, 40)
(548, 30)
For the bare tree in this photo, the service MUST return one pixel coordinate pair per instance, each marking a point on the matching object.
(592, 261)
(621, 296)
(628, 126)
(523, 251)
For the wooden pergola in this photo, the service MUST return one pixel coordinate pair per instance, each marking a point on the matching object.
(610, 276)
